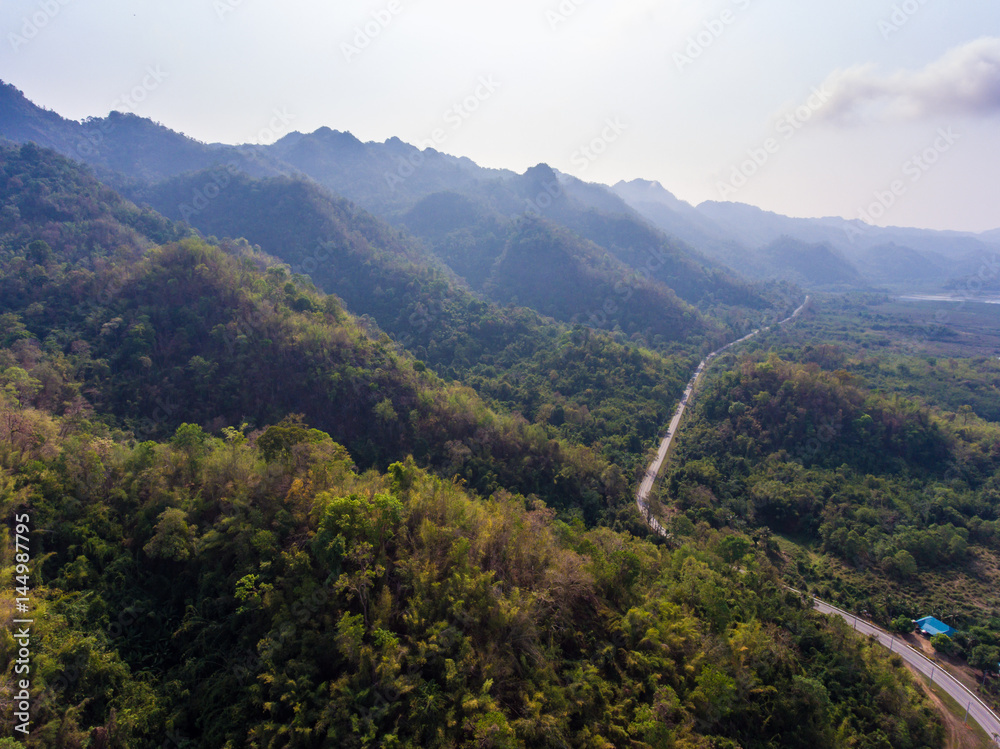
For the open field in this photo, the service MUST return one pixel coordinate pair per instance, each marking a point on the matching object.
(878, 322)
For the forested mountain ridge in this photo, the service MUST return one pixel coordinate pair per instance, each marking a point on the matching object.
(415, 297)
(548, 269)
(187, 332)
(523, 362)
(491, 201)
(134, 153)
(121, 147)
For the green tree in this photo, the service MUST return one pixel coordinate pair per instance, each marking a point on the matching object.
(19, 384)
(944, 644)
(901, 625)
(905, 564)
(277, 440)
(39, 252)
(733, 548)
(173, 538)
(985, 657)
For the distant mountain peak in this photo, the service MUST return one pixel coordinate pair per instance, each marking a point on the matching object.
(9, 90)
(733, 206)
(650, 191)
(541, 172)
(340, 137)
(643, 184)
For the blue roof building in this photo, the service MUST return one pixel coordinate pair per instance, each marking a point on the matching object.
(931, 626)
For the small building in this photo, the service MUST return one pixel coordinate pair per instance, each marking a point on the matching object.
(931, 626)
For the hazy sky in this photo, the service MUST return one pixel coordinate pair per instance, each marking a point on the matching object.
(803, 107)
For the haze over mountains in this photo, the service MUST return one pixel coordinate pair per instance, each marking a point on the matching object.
(608, 270)
(468, 217)
(830, 251)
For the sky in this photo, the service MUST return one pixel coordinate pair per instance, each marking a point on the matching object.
(883, 110)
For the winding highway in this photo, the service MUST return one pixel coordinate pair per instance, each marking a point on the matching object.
(977, 709)
(642, 496)
(966, 699)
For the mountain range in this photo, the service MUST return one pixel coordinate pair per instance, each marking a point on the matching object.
(822, 252)
(466, 222)
(466, 214)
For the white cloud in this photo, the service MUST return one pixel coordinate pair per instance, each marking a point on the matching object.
(965, 81)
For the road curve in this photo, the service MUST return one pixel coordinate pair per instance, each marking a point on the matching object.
(978, 711)
(642, 496)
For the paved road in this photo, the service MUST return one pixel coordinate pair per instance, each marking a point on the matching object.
(642, 496)
(978, 711)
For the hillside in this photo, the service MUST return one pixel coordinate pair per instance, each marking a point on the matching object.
(506, 353)
(189, 333)
(492, 203)
(550, 270)
(388, 179)
(257, 590)
(121, 147)
(382, 273)
(891, 263)
(812, 265)
(884, 503)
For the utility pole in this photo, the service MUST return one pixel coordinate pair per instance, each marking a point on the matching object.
(966, 721)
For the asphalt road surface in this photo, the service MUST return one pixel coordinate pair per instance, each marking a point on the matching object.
(642, 496)
(978, 711)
